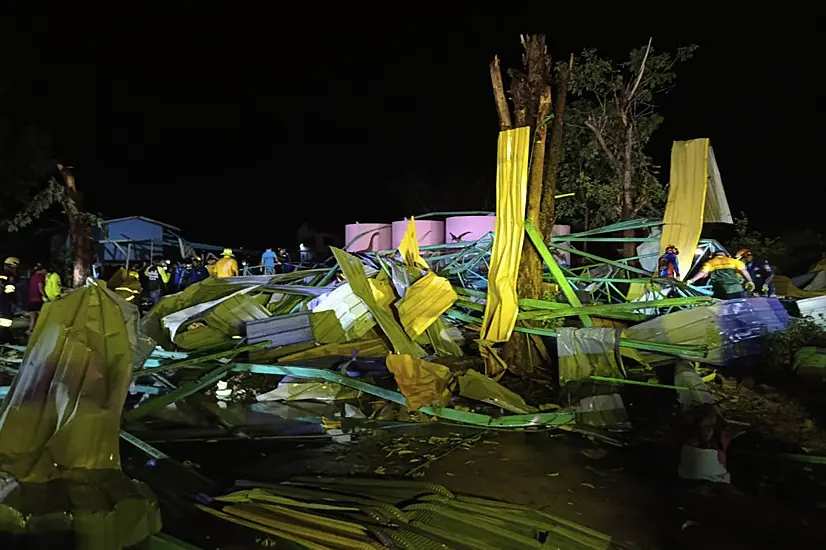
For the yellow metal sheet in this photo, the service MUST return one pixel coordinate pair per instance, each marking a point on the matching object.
(366, 348)
(409, 247)
(423, 384)
(502, 304)
(354, 272)
(327, 328)
(351, 312)
(424, 303)
(686, 200)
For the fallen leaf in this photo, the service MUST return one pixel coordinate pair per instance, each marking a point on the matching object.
(595, 454)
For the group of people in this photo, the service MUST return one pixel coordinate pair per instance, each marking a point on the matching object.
(729, 277)
(44, 285)
(271, 261)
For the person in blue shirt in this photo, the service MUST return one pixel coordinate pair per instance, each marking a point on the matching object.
(668, 266)
(197, 273)
(179, 277)
(268, 261)
(761, 273)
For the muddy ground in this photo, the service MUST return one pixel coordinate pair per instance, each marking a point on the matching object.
(631, 493)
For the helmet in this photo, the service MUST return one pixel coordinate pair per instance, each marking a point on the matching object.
(743, 252)
(227, 252)
(671, 248)
(196, 259)
(12, 261)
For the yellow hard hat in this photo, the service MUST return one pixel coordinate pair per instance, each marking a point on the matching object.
(12, 261)
(227, 252)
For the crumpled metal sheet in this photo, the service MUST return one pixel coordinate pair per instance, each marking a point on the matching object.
(475, 385)
(375, 347)
(60, 425)
(409, 247)
(587, 352)
(354, 272)
(232, 314)
(422, 383)
(310, 390)
(502, 304)
(424, 303)
(350, 310)
(729, 328)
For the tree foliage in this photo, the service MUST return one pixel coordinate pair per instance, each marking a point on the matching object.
(611, 117)
(25, 161)
(746, 237)
(54, 194)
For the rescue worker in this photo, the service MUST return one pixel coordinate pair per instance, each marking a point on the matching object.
(760, 271)
(53, 286)
(724, 273)
(179, 277)
(197, 272)
(156, 277)
(227, 266)
(8, 294)
(37, 294)
(127, 285)
(211, 260)
(668, 266)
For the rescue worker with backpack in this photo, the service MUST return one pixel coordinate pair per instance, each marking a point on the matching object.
(668, 266)
(8, 297)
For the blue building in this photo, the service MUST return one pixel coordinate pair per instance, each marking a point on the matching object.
(141, 239)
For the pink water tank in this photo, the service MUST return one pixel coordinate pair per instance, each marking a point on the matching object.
(468, 228)
(428, 232)
(370, 237)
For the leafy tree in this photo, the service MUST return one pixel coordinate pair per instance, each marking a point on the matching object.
(66, 197)
(745, 237)
(25, 161)
(611, 117)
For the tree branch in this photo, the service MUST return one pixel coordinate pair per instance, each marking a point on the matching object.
(642, 70)
(499, 95)
(615, 164)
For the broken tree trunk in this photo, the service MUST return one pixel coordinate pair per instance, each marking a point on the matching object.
(519, 353)
(499, 95)
(532, 102)
(547, 211)
(80, 232)
(629, 247)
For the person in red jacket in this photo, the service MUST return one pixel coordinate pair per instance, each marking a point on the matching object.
(37, 292)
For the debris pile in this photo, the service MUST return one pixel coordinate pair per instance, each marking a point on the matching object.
(366, 513)
(410, 335)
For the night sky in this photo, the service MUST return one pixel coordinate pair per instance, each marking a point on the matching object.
(237, 125)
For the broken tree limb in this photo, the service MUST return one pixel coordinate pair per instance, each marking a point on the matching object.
(554, 157)
(499, 95)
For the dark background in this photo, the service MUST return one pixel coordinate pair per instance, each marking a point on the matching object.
(238, 124)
